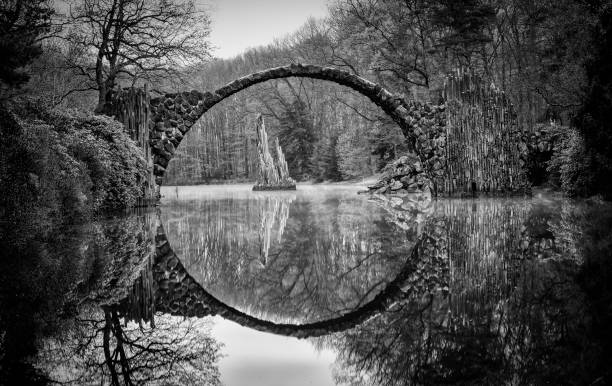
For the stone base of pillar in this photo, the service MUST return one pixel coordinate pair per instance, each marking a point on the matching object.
(258, 188)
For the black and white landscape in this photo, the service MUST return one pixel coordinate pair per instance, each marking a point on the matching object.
(284, 192)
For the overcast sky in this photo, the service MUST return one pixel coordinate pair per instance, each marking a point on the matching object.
(241, 24)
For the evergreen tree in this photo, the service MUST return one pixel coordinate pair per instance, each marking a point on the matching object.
(593, 120)
(296, 136)
(325, 160)
(353, 154)
(464, 23)
(22, 22)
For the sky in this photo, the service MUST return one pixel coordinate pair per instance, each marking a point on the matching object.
(241, 24)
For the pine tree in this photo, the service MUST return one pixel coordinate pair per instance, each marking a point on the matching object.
(22, 22)
(325, 160)
(296, 136)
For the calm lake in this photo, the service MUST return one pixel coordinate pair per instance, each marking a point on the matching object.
(322, 286)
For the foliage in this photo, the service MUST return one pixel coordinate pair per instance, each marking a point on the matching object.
(467, 22)
(38, 186)
(353, 154)
(296, 137)
(51, 82)
(593, 119)
(22, 22)
(59, 165)
(114, 163)
(570, 166)
(325, 160)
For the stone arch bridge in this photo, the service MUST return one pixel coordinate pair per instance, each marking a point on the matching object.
(452, 160)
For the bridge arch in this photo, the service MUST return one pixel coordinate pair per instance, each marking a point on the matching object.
(172, 115)
(177, 293)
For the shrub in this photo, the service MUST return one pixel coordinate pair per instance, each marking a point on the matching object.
(114, 162)
(570, 165)
(63, 164)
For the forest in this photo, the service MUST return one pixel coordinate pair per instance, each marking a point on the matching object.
(534, 51)
(551, 57)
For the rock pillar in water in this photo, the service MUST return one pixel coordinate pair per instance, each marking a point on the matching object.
(268, 174)
(272, 175)
(283, 168)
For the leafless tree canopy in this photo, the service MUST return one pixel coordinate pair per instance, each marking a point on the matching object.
(110, 40)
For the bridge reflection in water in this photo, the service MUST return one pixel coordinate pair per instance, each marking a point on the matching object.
(429, 292)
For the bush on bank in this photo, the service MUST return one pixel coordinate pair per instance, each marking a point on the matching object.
(570, 167)
(64, 164)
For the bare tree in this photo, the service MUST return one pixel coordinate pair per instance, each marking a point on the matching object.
(111, 40)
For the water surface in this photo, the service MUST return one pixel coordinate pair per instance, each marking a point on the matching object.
(319, 286)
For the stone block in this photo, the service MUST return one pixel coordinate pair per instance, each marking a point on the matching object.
(169, 146)
(158, 170)
(156, 145)
(195, 96)
(407, 180)
(162, 161)
(396, 185)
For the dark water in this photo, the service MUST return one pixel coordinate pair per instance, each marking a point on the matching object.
(319, 286)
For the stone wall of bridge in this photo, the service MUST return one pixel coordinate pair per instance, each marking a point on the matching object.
(471, 145)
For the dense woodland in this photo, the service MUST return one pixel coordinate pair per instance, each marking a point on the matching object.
(551, 57)
(535, 51)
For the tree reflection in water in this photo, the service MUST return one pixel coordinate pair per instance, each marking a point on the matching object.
(405, 292)
(288, 258)
(518, 310)
(106, 349)
(504, 291)
(62, 319)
